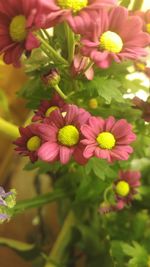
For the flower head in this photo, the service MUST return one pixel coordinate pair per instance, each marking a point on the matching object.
(7, 202)
(72, 12)
(111, 36)
(141, 66)
(29, 142)
(145, 16)
(107, 139)
(51, 78)
(61, 135)
(16, 29)
(48, 106)
(125, 187)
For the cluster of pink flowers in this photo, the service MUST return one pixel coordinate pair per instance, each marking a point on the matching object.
(61, 131)
(106, 30)
(124, 189)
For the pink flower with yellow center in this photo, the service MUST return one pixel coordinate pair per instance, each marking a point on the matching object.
(29, 142)
(48, 106)
(16, 28)
(111, 36)
(125, 187)
(61, 135)
(145, 16)
(107, 139)
(72, 11)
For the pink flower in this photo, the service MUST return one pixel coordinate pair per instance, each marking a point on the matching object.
(111, 36)
(125, 187)
(145, 16)
(71, 11)
(61, 135)
(48, 106)
(29, 142)
(79, 66)
(16, 28)
(107, 139)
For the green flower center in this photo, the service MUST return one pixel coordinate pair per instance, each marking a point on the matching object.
(111, 42)
(68, 135)
(75, 5)
(122, 188)
(106, 140)
(17, 28)
(148, 27)
(50, 110)
(33, 143)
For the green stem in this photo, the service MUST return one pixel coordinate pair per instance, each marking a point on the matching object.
(70, 42)
(53, 52)
(38, 201)
(58, 90)
(57, 253)
(9, 129)
(137, 5)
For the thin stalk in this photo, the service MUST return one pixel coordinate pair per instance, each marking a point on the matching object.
(9, 129)
(59, 91)
(38, 201)
(70, 42)
(58, 251)
(53, 52)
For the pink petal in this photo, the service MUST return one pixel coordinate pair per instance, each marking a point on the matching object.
(87, 131)
(65, 154)
(48, 132)
(89, 151)
(109, 123)
(48, 151)
(31, 42)
(97, 124)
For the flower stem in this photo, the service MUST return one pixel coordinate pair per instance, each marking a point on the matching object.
(70, 42)
(137, 5)
(53, 52)
(9, 129)
(59, 91)
(38, 201)
(58, 250)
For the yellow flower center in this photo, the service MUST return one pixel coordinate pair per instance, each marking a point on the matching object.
(141, 66)
(75, 5)
(93, 103)
(106, 140)
(17, 28)
(68, 135)
(148, 27)
(122, 188)
(33, 143)
(50, 110)
(111, 42)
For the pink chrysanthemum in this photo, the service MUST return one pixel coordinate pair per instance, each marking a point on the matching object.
(71, 11)
(125, 187)
(111, 36)
(29, 142)
(16, 26)
(48, 106)
(145, 16)
(107, 139)
(61, 135)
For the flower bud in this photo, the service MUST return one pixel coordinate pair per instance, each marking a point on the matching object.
(51, 78)
(93, 103)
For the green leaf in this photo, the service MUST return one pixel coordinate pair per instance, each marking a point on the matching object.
(108, 88)
(100, 168)
(138, 254)
(26, 251)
